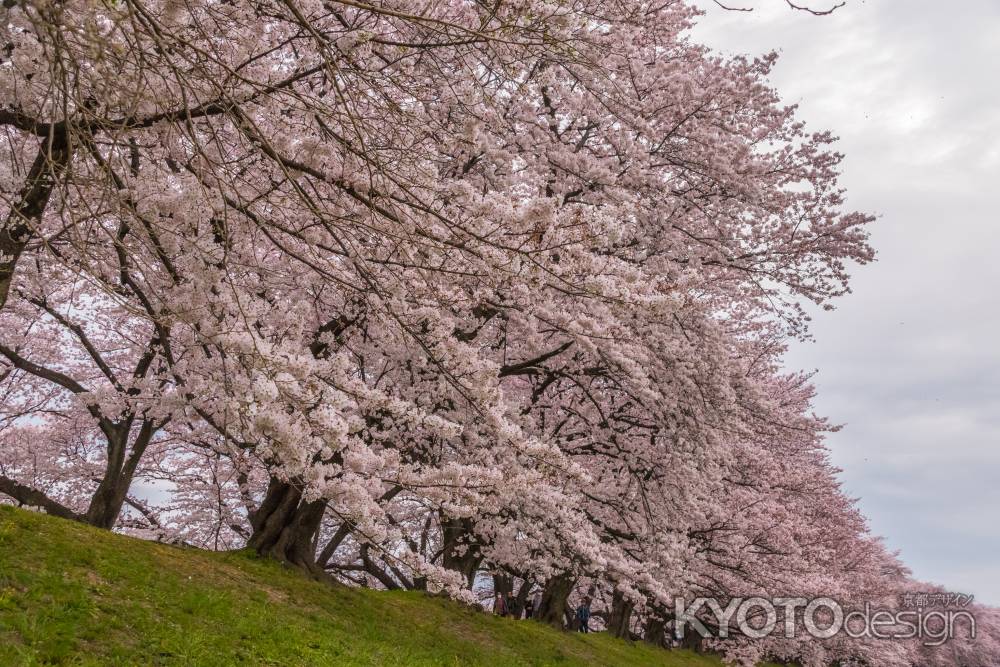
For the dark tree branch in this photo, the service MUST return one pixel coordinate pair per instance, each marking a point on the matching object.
(733, 9)
(801, 8)
(528, 367)
(16, 230)
(80, 335)
(35, 498)
(816, 12)
(53, 376)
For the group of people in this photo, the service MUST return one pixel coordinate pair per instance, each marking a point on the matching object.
(504, 605)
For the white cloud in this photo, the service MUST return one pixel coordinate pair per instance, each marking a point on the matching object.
(911, 360)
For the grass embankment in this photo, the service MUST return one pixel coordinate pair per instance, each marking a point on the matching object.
(71, 594)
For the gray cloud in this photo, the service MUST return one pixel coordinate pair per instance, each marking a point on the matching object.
(911, 361)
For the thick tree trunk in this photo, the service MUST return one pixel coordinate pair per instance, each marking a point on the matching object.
(109, 498)
(106, 505)
(692, 640)
(285, 527)
(520, 600)
(619, 620)
(555, 601)
(654, 632)
(459, 549)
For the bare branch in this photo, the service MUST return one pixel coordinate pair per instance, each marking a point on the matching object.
(733, 9)
(816, 12)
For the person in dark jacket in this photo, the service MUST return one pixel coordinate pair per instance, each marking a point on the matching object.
(583, 616)
(500, 605)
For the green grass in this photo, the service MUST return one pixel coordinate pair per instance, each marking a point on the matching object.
(75, 595)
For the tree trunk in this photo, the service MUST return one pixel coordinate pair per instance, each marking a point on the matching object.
(654, 630)
(285, 527)
(106, 504)
(521, 599)
(691, 640)
(619, 620)
(555, 600)
(109, 498)
(460, 551)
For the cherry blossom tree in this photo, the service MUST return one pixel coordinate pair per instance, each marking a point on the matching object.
(414, 298)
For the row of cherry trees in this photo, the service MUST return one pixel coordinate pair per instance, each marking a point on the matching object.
(409, 297)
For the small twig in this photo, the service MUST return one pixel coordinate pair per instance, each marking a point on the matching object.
(733, 9)
(816, 12)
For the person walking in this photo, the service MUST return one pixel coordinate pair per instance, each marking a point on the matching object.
(510, 602)
(529, 607)
(583, 616)
(500, 605)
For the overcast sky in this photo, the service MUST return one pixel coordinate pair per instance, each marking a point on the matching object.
(910, 362)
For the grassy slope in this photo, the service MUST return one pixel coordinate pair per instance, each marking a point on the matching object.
(70, 594)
